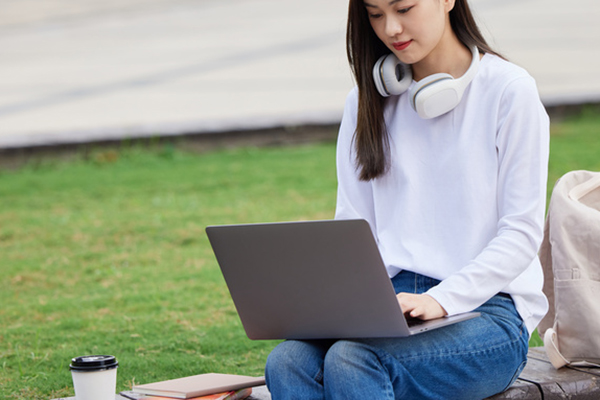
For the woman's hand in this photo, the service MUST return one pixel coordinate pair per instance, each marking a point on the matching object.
(420, 306)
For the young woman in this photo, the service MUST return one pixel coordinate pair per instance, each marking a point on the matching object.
(454, 191)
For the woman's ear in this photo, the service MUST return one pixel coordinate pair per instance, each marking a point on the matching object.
(448, 5)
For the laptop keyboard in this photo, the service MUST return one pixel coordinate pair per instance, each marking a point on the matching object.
(412, 322)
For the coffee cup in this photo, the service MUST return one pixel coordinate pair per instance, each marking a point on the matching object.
(94, 377)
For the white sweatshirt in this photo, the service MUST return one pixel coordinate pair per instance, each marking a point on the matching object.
(464, 198)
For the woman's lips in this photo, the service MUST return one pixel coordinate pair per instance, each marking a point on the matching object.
(401, 45)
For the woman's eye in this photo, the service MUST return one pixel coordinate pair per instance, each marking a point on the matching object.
(404, 10)
(374, 16)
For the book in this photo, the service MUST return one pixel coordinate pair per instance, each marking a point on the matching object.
(240, 394)
(198, 385)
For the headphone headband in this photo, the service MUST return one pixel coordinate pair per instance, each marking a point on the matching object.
(430, 97)
(468, 76)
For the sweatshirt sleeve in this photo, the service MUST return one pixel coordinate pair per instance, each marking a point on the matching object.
(354, 197)
(522, 145)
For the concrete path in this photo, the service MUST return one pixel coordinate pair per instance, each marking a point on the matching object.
(87, 70)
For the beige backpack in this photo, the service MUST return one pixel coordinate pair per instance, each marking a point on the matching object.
(570, 256)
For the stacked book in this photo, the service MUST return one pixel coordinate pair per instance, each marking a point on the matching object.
(198, 387)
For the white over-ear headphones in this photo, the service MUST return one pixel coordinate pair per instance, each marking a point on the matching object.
(430, 97)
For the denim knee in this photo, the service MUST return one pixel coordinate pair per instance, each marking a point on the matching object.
(354, 370)
(287, 357)
(277, 359)
(294, 370)
(348, 354)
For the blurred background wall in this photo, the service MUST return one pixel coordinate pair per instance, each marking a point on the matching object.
(88, 70)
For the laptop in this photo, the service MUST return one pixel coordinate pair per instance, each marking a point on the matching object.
(312, 280)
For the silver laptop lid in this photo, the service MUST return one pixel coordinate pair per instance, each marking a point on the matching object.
(305, 280)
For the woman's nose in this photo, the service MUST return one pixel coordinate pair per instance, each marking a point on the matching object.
(393, 27)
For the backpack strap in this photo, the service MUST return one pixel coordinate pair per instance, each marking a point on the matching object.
(584, 188)
(554, 355)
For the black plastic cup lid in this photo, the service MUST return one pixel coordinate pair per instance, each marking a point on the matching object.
(93, 363)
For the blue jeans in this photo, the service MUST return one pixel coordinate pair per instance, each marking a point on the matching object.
(470, 360)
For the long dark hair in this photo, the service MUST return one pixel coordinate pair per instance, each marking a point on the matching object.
(364, 48)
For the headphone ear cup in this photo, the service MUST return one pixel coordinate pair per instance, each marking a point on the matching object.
(437, 94)
(391, 76)
(434, 95)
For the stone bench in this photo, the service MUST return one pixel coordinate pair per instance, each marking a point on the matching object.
(538, 381)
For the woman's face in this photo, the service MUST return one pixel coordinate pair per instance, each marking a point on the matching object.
(411, 29)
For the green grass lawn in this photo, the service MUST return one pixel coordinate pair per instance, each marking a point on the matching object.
(109, 256)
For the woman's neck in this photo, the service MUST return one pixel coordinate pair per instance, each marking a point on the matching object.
(449, 56)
